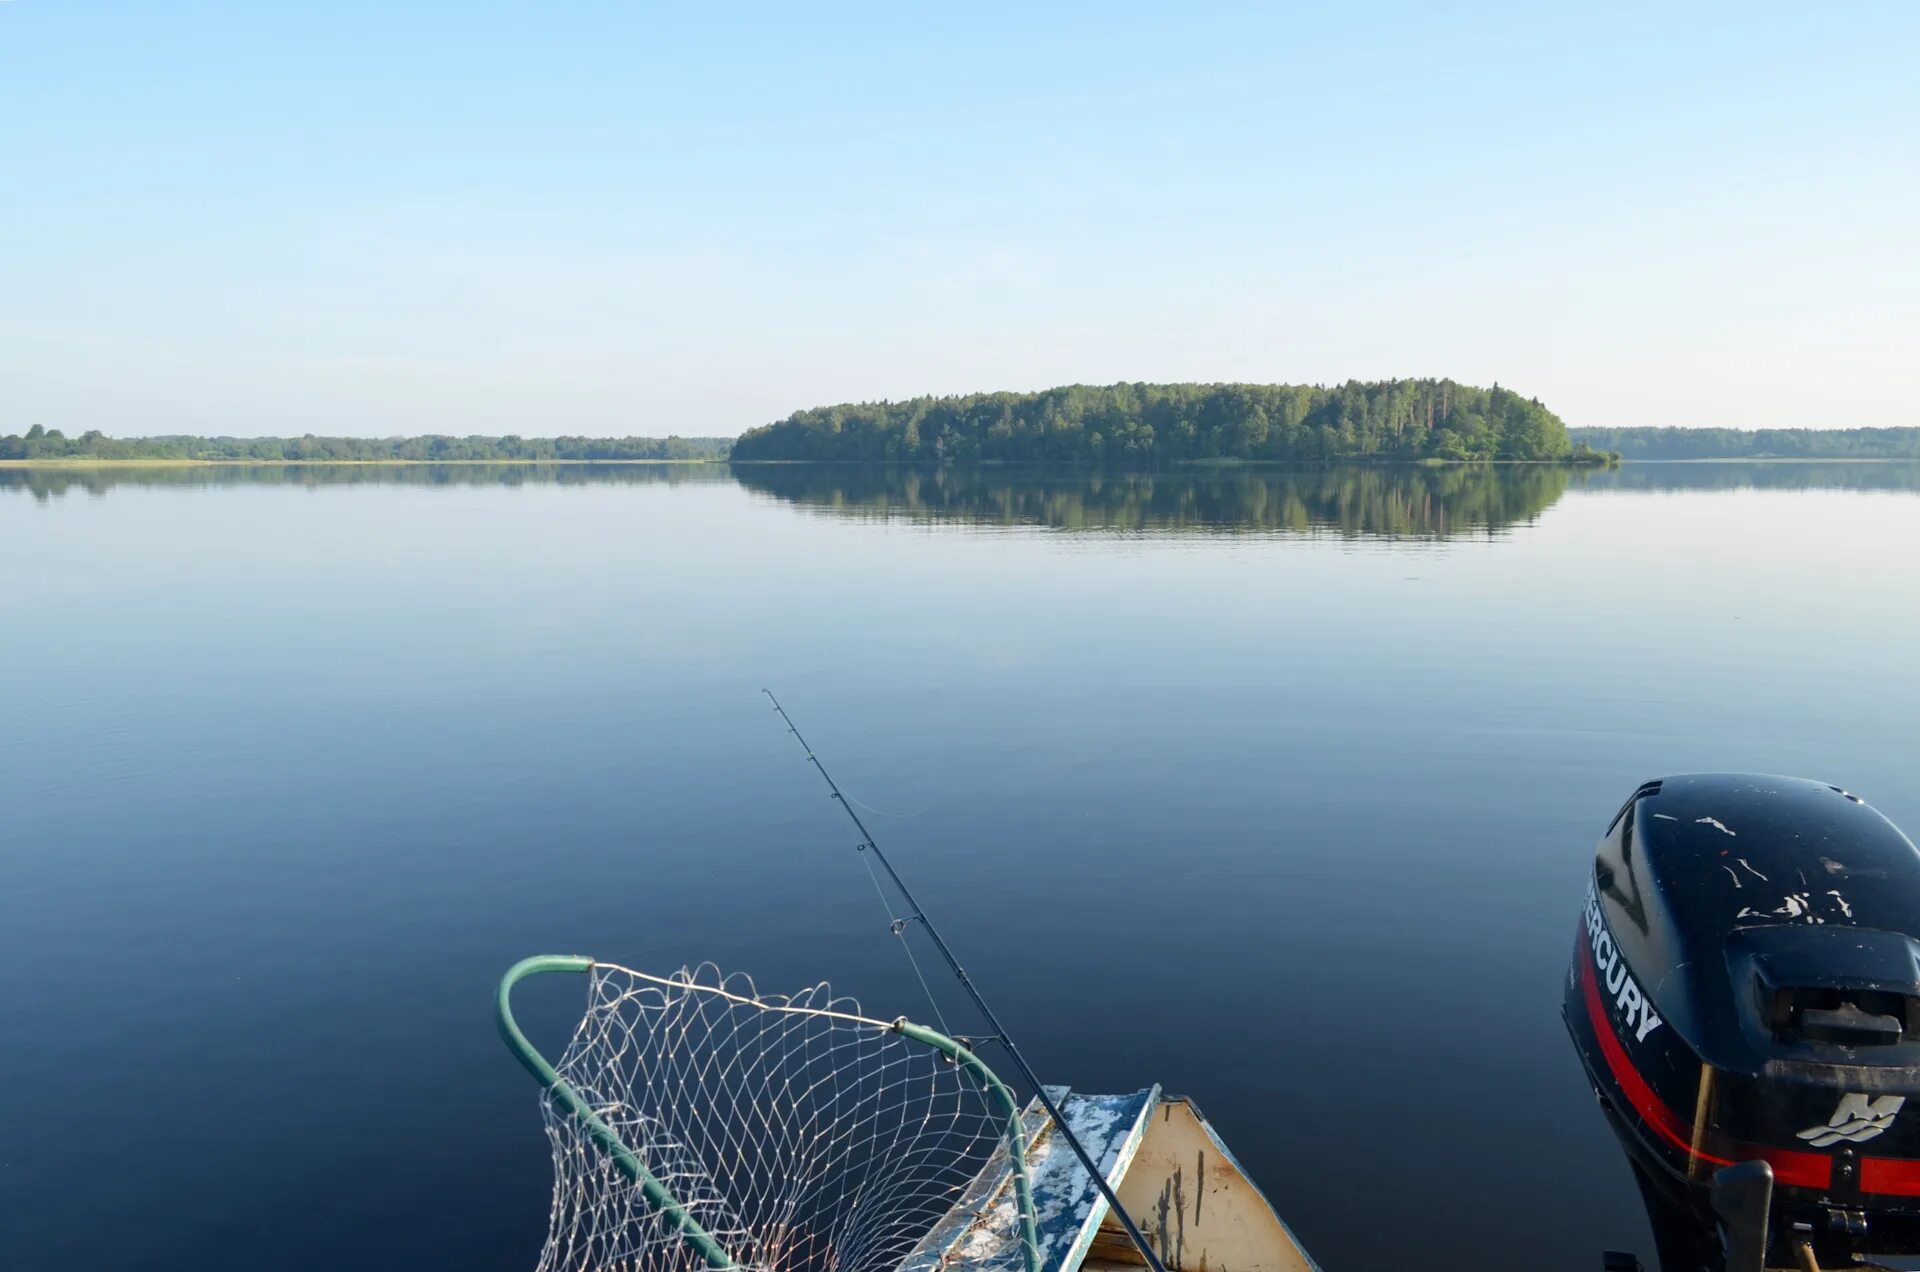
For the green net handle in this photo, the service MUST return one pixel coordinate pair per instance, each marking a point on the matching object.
(623, 1158)
(604, 1136)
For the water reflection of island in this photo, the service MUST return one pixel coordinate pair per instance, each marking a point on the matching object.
(1378, 500)
(1381, 500)
(1353, 500)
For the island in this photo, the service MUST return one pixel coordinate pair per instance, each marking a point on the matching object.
(1154, 424)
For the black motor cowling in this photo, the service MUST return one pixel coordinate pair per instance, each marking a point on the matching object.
(1746, 988)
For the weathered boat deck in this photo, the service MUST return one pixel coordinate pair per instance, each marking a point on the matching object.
(1161, 1158)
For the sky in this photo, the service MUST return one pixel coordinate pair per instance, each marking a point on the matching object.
(368, 219)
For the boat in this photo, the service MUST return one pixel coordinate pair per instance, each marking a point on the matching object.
(1744, 997)
(698, 1122)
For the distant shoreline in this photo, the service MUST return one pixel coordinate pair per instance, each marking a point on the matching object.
(85, 461)
(1188, 465)
(1782, 459)
(1196, 465)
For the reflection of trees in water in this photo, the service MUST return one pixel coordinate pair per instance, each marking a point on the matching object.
(1758, 475)
(46, 483)
(1380, 499)
(1395, 501)
(1406, 502)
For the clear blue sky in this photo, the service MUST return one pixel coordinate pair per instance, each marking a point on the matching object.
(609, 218)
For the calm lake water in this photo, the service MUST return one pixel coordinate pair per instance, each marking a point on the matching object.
(1276, 788)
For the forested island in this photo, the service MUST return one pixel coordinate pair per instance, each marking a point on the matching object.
(1153, 424)
(1764, 443)
(49, 445)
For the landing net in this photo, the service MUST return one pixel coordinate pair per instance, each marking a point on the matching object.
(795, 1133)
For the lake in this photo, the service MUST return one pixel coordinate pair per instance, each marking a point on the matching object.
(1278, 788)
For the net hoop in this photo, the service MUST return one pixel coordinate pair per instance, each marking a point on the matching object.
(672, 1212)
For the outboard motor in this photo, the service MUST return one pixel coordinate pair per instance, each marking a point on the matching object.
(1745, 996)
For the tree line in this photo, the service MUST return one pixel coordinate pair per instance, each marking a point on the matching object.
(44, 443)
(1152, 424)
(1123, 425)
(1763, 443)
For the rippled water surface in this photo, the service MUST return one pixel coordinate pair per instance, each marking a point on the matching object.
(1274, 787)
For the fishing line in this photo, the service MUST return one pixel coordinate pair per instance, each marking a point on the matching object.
(881, 812)
(917, 914)
(898, 926)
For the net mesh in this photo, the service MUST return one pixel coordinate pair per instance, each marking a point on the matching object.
(801, 1135)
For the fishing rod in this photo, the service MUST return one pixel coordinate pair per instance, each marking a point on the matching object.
(1000, 1034)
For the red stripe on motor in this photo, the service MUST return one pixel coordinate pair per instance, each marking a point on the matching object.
(1652, 1110)
(1794, 1169)
(1895, 1176)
